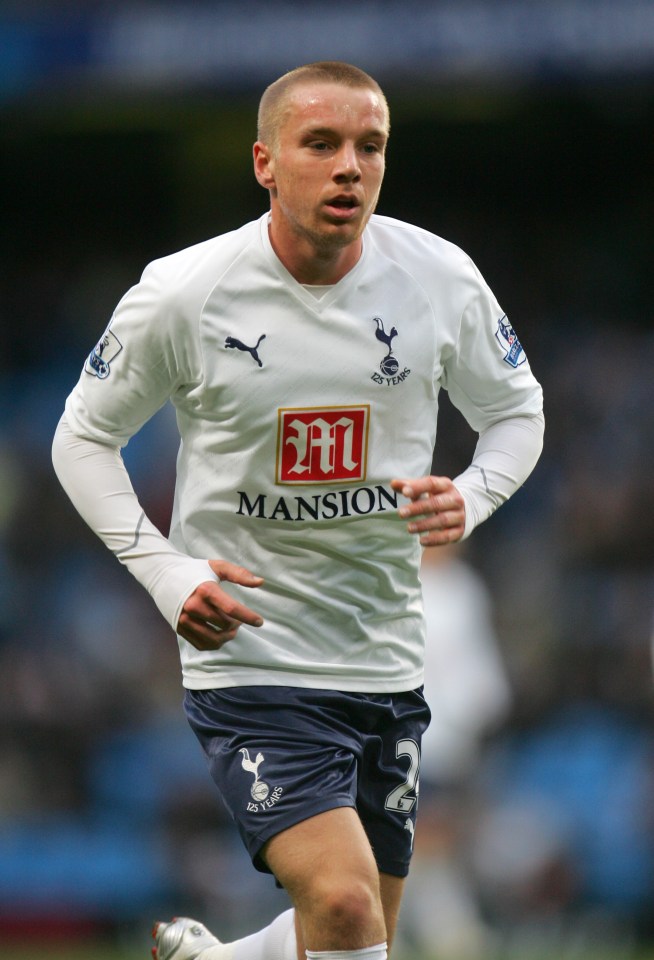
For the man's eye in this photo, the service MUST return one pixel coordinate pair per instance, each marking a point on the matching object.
(320, 145)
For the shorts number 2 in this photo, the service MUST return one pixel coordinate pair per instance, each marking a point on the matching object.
(403, 797)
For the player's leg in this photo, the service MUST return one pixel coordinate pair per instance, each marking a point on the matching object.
(387, 796)
(248, 731)
(283, 939)
(186, 939)
(391, 889)
(327, 867)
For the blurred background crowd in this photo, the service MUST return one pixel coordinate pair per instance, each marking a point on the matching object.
(522, 132)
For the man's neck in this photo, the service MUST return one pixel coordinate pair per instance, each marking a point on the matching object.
(310, 264)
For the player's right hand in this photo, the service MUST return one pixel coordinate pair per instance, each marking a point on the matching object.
(210, 617)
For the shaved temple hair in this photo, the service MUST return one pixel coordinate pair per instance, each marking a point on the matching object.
(273, 104)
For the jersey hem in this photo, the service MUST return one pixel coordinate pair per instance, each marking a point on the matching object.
(304, 682)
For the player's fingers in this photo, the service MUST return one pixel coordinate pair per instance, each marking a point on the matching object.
(226, 609)
(210, 604)
(441, 538)
(419, 487)
(442, 520)
(444, 503)
(233, 573)
(205, 636)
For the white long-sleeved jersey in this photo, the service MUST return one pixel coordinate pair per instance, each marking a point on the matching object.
(294, 414)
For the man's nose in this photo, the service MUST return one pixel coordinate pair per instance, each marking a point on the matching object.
(346, 165)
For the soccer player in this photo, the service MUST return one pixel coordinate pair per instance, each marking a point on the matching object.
(304, 353)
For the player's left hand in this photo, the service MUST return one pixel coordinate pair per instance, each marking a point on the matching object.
(437, 510)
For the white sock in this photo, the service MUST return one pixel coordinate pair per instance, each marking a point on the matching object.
(275, 942)
(378, 952)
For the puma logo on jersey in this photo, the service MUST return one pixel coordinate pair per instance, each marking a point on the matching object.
(233, 344)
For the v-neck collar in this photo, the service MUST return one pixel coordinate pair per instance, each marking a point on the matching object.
(318, 305)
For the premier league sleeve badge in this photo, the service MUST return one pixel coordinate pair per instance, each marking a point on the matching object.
(106, 350)
(506, 336)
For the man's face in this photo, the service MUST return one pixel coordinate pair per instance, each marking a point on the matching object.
(327, 165)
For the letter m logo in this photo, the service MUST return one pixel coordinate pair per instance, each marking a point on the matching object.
(322, 444)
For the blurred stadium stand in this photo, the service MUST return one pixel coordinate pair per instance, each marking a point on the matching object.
(521, 131)
(232, 43)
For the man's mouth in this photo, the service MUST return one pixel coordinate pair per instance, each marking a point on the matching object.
(344, 202)
(342, 205)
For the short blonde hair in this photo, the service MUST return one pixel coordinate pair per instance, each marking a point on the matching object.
(274, 102)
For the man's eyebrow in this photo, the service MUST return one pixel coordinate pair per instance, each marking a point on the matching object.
(375, 133)
(319, 132)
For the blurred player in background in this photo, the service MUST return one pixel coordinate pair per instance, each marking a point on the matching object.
(469, 695)
(304, 353)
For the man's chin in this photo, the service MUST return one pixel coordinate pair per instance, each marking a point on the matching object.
(336, 235)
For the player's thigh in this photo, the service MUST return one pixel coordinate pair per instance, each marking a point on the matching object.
(324, 856)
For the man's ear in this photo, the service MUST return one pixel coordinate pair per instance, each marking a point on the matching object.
(263, 165)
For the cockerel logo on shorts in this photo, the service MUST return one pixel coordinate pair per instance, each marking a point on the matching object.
(259, 789)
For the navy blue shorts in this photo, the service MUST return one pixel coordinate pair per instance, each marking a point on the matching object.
(282, 754)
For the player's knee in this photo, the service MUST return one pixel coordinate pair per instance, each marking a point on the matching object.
(350, 906)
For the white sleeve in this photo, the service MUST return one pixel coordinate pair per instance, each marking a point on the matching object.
(95, 478)
(505, 455)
